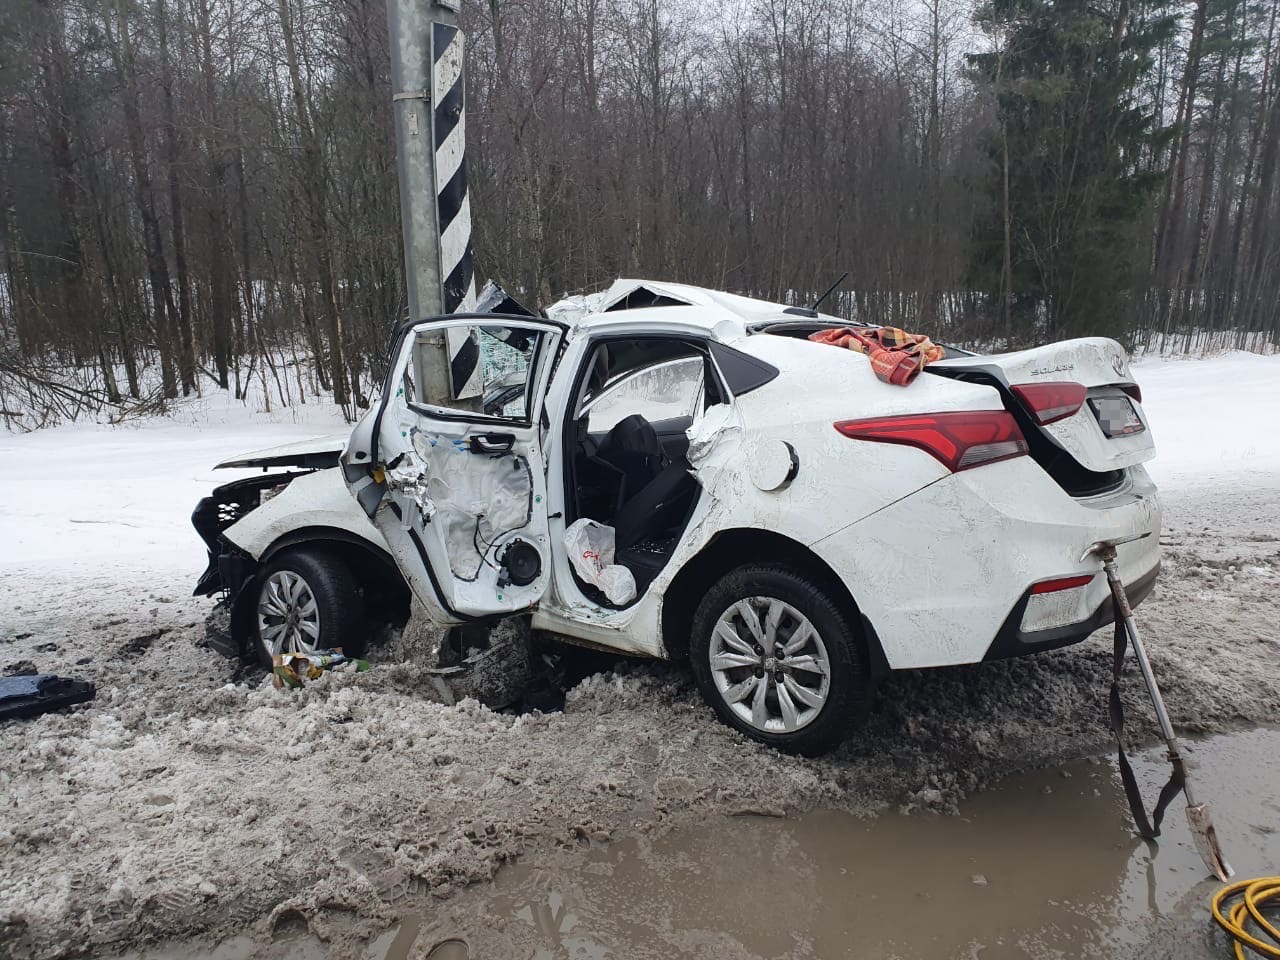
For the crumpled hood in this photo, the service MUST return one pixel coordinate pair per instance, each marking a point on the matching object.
(318, 453)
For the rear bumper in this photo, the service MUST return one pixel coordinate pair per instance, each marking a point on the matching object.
(944, 575)
(1013, 641)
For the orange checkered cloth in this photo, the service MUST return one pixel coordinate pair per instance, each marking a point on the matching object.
(896, 356)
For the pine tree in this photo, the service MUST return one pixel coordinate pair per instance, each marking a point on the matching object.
(1070, 189)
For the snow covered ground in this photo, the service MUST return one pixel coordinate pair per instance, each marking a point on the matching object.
(78, 497)
(1215, 419)
(158, 811)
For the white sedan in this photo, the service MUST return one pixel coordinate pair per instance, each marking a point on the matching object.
(685, 474)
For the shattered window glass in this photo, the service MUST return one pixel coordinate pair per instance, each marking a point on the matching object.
(470, 369)
(506, 372)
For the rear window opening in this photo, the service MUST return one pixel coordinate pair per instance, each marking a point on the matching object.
(803, 329)
(798, 329)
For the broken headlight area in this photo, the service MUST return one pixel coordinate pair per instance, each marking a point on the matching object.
(228, 504)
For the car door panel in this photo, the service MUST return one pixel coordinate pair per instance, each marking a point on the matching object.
(457, 493)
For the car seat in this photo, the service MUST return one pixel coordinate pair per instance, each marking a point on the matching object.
(657, 507)
(633, 447)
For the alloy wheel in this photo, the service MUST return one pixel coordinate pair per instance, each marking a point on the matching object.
(288, 616)
(769, 664)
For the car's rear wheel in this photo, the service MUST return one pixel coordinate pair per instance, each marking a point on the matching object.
(306, 600)
(778, 659)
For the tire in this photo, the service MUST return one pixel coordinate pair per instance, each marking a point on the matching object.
(314, 586)
(824, 706)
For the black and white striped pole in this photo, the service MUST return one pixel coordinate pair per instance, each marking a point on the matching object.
(452, 202)
(428, 81)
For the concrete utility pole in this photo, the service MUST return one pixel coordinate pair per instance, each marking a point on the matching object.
(427, 84)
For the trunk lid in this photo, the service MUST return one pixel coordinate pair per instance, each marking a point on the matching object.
(1107, 433)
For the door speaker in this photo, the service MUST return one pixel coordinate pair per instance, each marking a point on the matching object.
(522, 562)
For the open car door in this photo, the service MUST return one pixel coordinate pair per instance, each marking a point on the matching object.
(449, 466)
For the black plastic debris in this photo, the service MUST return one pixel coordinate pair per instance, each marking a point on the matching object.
(31, 695)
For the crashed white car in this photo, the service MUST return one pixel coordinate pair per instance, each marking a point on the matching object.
(684, 474)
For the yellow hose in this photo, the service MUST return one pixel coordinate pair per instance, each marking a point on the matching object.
(1249, 896)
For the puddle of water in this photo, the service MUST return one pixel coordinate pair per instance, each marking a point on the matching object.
(1042, 865)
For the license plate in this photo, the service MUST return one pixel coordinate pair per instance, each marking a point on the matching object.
(1116, 416)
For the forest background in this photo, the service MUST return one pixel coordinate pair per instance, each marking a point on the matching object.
(204, 191)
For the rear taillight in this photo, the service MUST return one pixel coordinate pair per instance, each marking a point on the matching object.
(1134, 391)
(1051, 401)
(958, 441)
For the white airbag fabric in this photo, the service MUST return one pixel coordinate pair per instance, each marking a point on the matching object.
(590, 548)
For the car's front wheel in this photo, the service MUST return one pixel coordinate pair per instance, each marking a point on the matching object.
(306, 600)
(778, 659)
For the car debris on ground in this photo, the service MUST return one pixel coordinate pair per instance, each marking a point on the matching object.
(27, 695)
(295, 669)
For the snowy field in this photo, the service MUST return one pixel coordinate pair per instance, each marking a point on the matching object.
(1214, 419)
(193, 801)
(80, 497)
